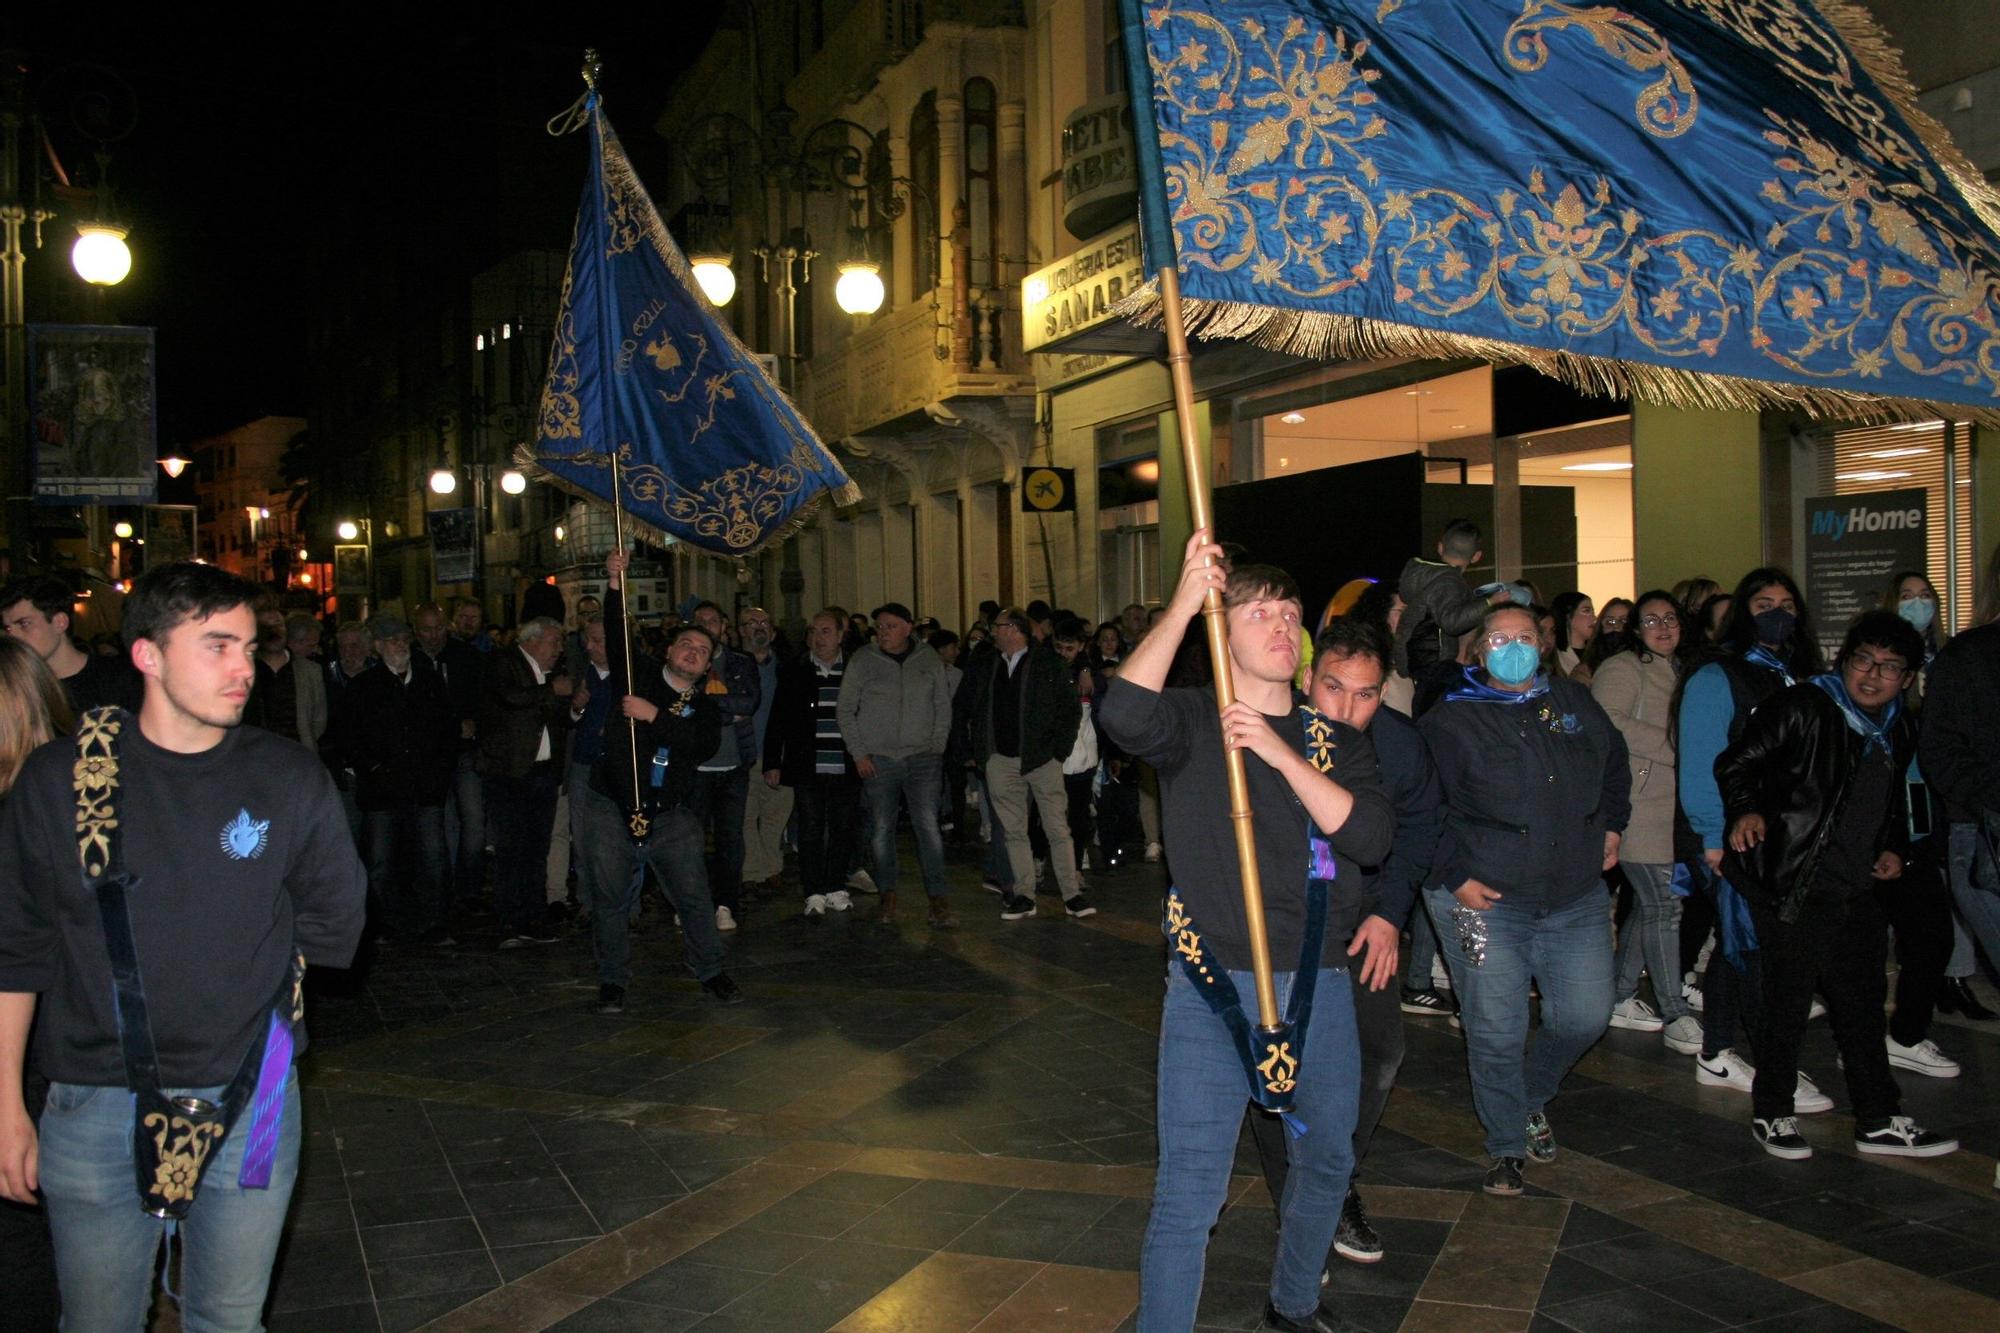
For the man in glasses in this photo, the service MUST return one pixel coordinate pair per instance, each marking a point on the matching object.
(1536, 792)
(1814, 796)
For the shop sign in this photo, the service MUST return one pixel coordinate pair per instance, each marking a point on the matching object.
(1854, 544)
(1079, 290)
(1099, 187)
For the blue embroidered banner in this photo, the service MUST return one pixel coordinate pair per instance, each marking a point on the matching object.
(710, 452)
(1707, 202)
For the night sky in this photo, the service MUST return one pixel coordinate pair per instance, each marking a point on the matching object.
(267, 167)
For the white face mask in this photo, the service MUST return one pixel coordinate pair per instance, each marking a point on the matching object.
(1919, 611)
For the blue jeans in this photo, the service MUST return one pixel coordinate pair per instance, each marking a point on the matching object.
(416, 832)
(523, 814)
(1651, 939)
(1567, 951)
(717, 800)
(466, 815)
(914, 783)
(999, 867)
(106, 1249)
(1975, 888)
(1202, 1093)
(615, 862)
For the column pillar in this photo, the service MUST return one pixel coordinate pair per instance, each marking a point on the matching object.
(902, 265)
(1011, 264)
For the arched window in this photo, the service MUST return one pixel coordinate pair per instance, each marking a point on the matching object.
(982, 195)
(924, 172)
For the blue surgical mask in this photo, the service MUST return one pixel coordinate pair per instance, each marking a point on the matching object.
(1513, 663)
(1919, 611)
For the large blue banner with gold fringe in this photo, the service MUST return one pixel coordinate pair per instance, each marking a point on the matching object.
(1728, 203)
(710, 451)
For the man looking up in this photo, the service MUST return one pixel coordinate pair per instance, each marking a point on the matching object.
(37, 612)
(1306, 822)
(242, 857)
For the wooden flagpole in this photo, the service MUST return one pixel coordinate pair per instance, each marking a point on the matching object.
(639, 825)
(1180, 367)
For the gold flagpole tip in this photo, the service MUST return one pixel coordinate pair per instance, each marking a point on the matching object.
(593, 68)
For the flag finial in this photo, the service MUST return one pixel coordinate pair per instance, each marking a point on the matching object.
(593, 68)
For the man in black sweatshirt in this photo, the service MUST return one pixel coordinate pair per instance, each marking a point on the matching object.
(239, 856)
(648, 769)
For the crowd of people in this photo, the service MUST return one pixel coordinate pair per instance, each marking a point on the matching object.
(1667, 815)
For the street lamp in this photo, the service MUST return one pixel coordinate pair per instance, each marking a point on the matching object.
(121, 529)
(859, 290)
(100, 255)
(348, 530)
(716, 278)
(444, 481)
(173, 466)
(513, 482)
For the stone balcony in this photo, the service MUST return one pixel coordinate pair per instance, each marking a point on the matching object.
(890, 370)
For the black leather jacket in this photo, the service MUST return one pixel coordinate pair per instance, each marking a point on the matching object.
(1793, 764)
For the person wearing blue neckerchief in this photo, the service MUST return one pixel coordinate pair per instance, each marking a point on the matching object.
(1813, 789)
(1537, 793)
(1767, 643)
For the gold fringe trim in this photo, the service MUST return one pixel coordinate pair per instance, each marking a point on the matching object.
(1315, 336)
(530, 464)
(1883, 63)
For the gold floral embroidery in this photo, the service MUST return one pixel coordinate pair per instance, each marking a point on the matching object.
(1320, 745)
(1294, 200)
(95, 781)
(183, 1147)
(1667, 107)
(1180, 929)
(1279, 1068)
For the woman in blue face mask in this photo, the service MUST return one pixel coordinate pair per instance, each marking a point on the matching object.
(1914, 597)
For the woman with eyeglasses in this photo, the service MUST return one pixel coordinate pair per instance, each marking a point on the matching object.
(1813, 792)
(1636, 689)
(1617, 631)
(1767, 645)
(1535, 783)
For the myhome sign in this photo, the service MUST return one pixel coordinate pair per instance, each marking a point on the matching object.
(1078, 291)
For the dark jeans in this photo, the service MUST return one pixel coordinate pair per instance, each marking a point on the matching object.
(1837, 946)
(1118, 818)
(522, 814)
(829, 810)
(1918, 908)
(614, 865)
(466, 811)
(1378, 1026)
(1076, 789)
(1732, 1002)
(413, 836)
(716, 800)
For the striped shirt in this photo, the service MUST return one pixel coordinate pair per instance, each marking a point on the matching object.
(829, 754)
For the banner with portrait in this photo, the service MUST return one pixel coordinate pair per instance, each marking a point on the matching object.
(454, 545)
(169, 533)
(91, 412)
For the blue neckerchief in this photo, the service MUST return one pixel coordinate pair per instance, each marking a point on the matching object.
(1764, 657)
(1871, 732)
(1478, 691)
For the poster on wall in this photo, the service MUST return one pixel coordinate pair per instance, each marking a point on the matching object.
(169, 533)
(350, 570)
(453, 538)
(90, 411)
(1854, 545)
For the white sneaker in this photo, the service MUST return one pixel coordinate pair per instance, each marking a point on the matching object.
(815, 906)
(1807, 1099)
(861, 882)
(1922, 1058)
(1691, 993)
(1683, 1035)
(1152, 851)
(1635, 1015)
(839, 900)
(725, 919)
(1726, 1070)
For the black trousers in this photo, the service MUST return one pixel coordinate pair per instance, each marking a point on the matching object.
(829, 809)
(1918, 909)
(1378, 1025)
(1838, 946)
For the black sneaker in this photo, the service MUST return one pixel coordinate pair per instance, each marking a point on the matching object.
(610, 1000)
(723, 989)
(1781, 1138)
(1354, 1238)
(1079, 906)
(1015, 907)
(1903, 1137)
(1541, 1139)
(1425, 1001)
(1504, 1178)
(1316, 1323)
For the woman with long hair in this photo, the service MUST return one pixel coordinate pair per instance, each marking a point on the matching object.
(1576, 629)
(1913, 596)
(1637, 689)
(1693, 594)
(1616, 632)
(1766, 644)
(32, 708)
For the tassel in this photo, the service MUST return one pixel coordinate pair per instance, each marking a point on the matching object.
(1295, 1125)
